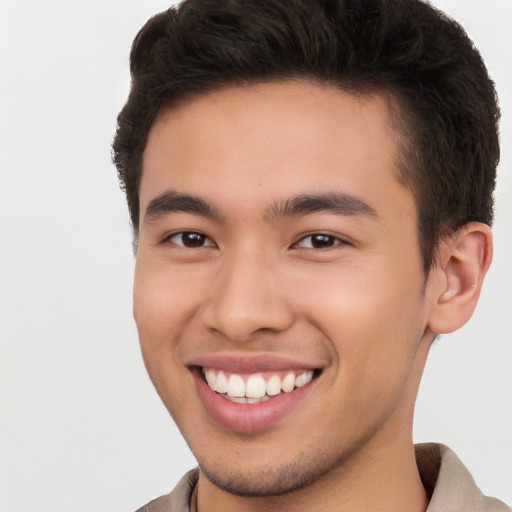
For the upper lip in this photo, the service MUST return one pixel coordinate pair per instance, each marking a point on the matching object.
(238, 363)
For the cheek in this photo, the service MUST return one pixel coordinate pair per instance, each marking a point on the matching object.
(163, 299)
(375, 338)
(373, 323)
(161, 306)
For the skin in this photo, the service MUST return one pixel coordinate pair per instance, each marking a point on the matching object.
(361, 309)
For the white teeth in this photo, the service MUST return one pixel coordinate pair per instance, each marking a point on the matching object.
(236, 386)
(254, 400)
(255, 387)
(221, 383)
(237, 399)
(210, 377)
(288, 383)
(303, 378)
(273, 385)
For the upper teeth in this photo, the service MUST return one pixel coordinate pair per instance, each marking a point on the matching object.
(255, 386)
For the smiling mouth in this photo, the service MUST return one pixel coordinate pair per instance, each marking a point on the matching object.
(257, 387)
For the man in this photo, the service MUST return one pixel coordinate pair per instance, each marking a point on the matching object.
(310, 185)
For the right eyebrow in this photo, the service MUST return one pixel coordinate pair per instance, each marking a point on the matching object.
(337, 203)
(172, 201)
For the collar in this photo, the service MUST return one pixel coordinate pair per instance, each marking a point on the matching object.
(449, 484)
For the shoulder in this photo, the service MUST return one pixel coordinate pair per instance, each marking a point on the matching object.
(451, 485)
(178, 500)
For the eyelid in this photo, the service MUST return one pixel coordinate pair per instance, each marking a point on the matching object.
(338, 241)
(168, 238)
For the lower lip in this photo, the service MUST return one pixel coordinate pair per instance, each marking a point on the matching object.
(248, 418)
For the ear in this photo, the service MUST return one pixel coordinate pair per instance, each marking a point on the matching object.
(463, 261)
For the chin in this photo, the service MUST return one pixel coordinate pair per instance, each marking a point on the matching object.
(270, 481)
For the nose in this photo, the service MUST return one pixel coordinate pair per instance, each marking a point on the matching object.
(248, 298)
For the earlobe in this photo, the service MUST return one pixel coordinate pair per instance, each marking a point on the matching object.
(464, 259)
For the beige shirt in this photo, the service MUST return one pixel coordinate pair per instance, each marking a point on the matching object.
(448, 482)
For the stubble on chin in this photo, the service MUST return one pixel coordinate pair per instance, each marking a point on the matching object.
(273, 481)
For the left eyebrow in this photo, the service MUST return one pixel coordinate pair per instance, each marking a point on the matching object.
(172, 201)
(337, 203)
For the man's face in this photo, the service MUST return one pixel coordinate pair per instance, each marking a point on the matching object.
(277, 246)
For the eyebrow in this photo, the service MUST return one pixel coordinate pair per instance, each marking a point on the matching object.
(172, 201)
(338, 203)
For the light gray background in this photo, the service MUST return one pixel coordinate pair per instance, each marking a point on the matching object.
(81, 428)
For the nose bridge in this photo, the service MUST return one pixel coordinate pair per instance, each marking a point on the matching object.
(247, 298)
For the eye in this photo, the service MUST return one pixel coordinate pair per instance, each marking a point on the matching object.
(190, 239)
(319, 241)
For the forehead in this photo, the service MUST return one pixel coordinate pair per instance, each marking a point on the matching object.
(271, 141)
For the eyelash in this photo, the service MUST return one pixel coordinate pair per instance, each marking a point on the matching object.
(328, 241)
(201, 237)
(332, 241)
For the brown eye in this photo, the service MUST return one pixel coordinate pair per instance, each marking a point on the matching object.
(191, 239)
(319, 241)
